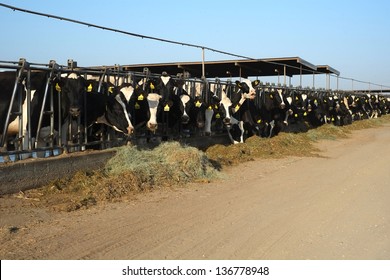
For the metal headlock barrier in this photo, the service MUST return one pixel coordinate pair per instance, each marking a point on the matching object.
(21, 145)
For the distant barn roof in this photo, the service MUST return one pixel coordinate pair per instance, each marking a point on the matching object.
(238, 68)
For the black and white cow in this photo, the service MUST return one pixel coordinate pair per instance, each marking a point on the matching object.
(108, 107)
(78, 107)
(238, 114)
(273, 112)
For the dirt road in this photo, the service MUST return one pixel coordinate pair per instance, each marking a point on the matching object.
(331, 207)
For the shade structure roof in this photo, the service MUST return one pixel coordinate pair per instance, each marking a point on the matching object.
(326, 69)
(288, 66)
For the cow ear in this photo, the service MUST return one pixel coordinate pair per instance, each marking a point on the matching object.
(255, 83)
(238, 84)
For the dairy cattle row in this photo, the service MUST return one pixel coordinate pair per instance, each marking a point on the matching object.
(245, 108)
(70, 109)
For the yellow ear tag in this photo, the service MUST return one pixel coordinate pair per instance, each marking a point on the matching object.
(332, 119)
(151, 86)
(271, 96)
(215, 106)
(198, 104)
(111, 89)
(89, 88)
(237, 107)
(258, 121)
(58, 88)
(136, 106)
(305, 114)
(166, 108)
(217, 116)
(140, 97)
(296, 115)
(210, 108)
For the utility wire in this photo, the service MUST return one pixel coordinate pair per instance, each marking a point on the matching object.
(121, 31)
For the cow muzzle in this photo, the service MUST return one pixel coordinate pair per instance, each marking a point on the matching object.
(74, 112)
(130, 130)
(185, 119)
(152, 126)
(226, 121)
(200, 124)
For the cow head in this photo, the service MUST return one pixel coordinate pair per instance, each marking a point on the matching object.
(247, 88)
(117, 113)
(138, 107)
(71, 88)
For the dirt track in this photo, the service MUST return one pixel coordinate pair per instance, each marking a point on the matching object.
(331, 207)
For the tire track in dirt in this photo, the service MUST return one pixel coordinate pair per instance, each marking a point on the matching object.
(331, 207)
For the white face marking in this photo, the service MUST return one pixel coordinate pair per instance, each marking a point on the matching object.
(153, 100)
(129, 124)
(226, 103)
(184, 99)
(281, 97)
(165, 79)
(304, 96)
(289, 100)
(208, 118)
(127, 92)
(73, 76)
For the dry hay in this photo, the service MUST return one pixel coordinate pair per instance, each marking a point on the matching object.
(132, 170)
(129, 172)
(285, 144)
(166, 164)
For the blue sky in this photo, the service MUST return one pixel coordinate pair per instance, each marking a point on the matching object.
(350, 36)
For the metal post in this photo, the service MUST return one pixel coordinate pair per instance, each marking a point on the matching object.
(284, 70)
(203, 68)
(314, 79)
(300, 75)
(28, 99)
(327, 81)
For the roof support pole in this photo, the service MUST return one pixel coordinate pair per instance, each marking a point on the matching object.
(203, 68)
(327, 81)
(300, 75)
(314, 76)
(284, 72)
